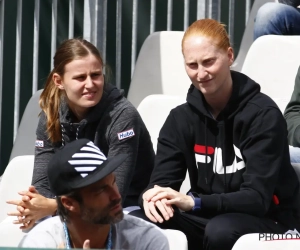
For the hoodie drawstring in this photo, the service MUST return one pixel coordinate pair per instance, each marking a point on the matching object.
(63, 130)
(62, 134)
(223, 147)
(205, 169)
(77, 132)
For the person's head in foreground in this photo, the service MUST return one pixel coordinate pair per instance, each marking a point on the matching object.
(81, 178)
(208, 56)
(76, 78)
(88, 204)
(86, 192)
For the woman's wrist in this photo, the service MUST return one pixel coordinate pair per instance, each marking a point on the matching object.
(52, 207)
(48, 209)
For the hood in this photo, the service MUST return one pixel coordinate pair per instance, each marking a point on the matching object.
(110, 94)
(243, 89)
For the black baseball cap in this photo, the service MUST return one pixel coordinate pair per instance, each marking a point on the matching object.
(78, 164)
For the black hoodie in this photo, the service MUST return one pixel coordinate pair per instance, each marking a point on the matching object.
(249, 137)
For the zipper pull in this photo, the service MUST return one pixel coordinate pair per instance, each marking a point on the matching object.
(205, 180)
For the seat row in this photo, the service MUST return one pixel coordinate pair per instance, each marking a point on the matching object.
(159, 84)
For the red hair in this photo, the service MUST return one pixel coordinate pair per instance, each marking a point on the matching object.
(209, 28)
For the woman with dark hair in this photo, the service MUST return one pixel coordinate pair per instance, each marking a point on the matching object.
(77, 103)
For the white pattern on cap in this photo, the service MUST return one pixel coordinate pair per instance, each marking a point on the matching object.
(88, 160)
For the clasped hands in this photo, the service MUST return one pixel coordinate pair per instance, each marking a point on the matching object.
(31, 207)
(162, 199)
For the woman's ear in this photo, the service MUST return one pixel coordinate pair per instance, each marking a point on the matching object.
(57, 81)
(230, 54)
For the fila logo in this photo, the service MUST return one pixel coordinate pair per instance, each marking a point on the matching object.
(87, 160)
(126, 134)
(237, 164)
(218, 168)
(39, 144)
(200, 152)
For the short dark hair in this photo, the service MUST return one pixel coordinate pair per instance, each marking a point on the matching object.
(62, 211)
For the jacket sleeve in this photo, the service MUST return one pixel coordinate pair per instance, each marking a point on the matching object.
(292, 114)
(44, 150)
(265, 150)
(170, 166)
(128, 120)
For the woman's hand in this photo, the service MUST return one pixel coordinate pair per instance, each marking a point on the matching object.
(182, 201)
(151, 210)
(32, 207)
(158, 210)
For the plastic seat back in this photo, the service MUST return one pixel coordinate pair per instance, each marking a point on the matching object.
(26, 136)
(273, 62)
(159, 68)
(16, 177)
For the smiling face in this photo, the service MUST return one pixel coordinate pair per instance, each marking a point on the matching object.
(207, 65)
(82, 82)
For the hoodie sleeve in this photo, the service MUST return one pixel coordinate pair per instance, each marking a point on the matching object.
(292, 114)
(43, 152)
(124, 137)
(170, 166)
(264, 148)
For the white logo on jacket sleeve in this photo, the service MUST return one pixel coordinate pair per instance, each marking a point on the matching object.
(39, 144)
(125, 134)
